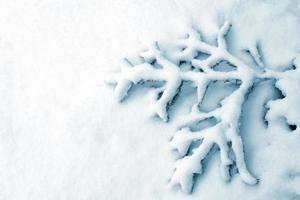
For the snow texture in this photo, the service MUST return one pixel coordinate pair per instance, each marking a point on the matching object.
(64, 137)
(195, 61)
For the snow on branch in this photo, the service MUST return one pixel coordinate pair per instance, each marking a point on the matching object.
(165, 66)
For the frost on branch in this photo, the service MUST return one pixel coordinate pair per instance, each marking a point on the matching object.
(166, 67)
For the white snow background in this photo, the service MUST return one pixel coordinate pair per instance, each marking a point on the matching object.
(64, 136)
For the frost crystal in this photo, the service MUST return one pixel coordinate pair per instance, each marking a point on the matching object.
(160, 66)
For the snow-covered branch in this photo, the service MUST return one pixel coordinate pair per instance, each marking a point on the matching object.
(158, 66)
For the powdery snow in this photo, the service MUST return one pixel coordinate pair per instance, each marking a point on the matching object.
(63, 135)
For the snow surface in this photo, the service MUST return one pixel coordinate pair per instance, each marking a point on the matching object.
(63, 135)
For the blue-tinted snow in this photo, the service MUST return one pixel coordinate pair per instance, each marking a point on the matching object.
(63, 136)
